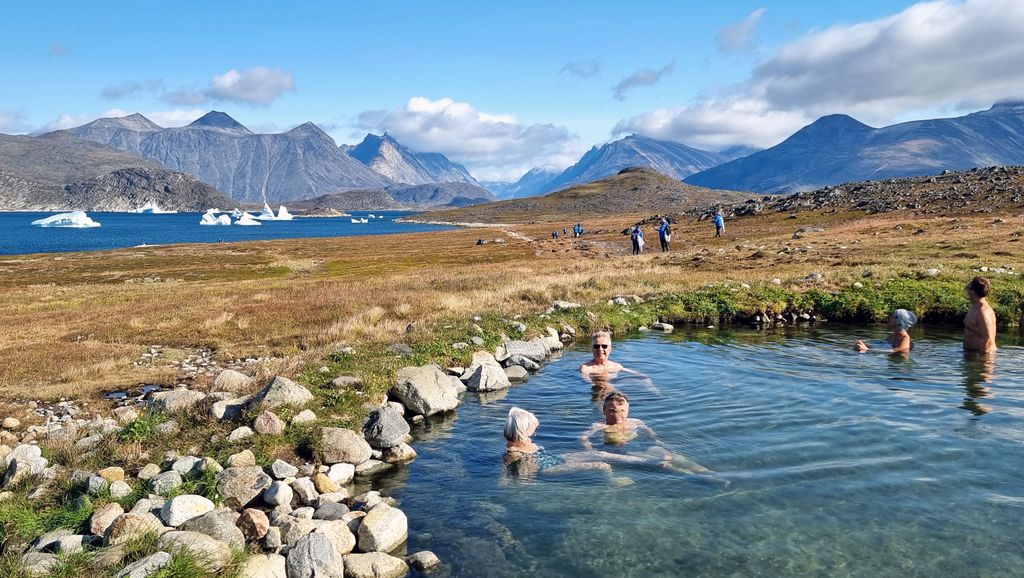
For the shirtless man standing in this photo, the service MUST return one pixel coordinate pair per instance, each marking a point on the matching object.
(980, 323)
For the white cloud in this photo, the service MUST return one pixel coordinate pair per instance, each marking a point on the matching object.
(946, 54)
(257, 86)
(642, 77)
(164, 118)
(492, 146)
(739, 36)
(12, 122)
(717, 124)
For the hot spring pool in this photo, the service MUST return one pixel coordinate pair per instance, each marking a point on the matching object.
(841, 464)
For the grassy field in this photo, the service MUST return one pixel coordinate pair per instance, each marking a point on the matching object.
(75, 323)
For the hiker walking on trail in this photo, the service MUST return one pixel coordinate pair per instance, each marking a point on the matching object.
(719, 223)
(664, 235)
(637, 236)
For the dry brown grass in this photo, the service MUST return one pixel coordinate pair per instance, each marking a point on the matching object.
(75, 323)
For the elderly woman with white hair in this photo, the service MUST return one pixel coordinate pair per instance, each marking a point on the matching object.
(900, 342)
(519, 427)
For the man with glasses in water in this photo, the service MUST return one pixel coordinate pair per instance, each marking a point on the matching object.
(600, 368)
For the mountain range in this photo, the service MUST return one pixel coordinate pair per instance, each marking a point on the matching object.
(57, 171)
(386, 156)
(301, 163)
(837, 149)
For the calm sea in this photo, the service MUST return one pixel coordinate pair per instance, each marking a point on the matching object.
(117, 230)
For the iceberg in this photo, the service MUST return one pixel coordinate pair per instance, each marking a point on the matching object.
(73, 220)
(372, 216)
(247, 220)
(360, 221)
(209, 218)
(152, 208)
(267, 214)
(237, 213)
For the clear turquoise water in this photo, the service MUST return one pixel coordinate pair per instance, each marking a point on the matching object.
(841, 464)
(119, 230)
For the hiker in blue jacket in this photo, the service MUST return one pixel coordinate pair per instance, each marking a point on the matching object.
(664, 235)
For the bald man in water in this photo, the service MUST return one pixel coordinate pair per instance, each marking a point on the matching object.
(980, 323)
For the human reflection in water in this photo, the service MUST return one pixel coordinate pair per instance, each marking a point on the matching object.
(979, 369)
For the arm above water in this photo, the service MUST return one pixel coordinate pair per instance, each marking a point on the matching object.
(645, 379)
(585, 438)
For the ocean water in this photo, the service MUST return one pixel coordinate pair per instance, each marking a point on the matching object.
(118, 230)
(839, 464)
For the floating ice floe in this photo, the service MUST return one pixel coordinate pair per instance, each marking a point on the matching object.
(73, 220)
(360, 221)
(247, 220)
(268, 214)
(152, 208)
(210, 218)
(372, 216)
(237, 213)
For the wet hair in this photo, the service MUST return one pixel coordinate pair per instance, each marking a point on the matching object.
(615, 395)
(980, 286)
(520, 424)
(607, 334)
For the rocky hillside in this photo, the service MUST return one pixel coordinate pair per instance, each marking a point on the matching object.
(58, 158)
(60, 172)
(837, 148)
(300, 163)
(632, 191)
(386, 156)
(129, 189)
(981, 190)
(441, 195)
(356, 200)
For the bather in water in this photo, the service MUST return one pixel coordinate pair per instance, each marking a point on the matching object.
(899, 342)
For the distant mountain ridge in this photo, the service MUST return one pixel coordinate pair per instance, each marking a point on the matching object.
(631, 191)
(837, 148)
(441, 195)
(533, 183)
(386, 156)
(300, 163)
(668, 158)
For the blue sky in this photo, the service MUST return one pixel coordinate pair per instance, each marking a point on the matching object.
(503, 87)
